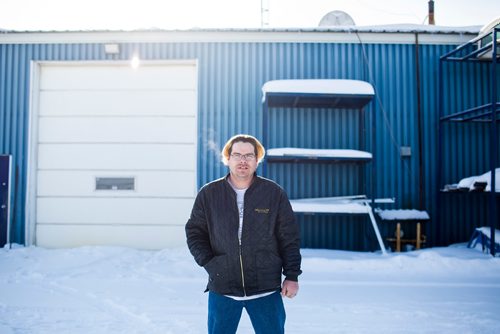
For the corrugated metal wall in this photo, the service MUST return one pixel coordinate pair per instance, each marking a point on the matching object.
(230, 80)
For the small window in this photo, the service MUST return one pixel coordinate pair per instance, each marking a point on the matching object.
(115, 183)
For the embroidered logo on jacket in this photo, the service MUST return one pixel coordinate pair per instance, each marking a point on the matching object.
(265, 211)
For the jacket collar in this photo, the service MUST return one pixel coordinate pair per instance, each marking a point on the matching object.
(256, 180)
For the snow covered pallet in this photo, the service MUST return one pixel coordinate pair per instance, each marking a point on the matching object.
(408, 217)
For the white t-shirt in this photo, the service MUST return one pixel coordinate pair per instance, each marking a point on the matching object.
(240, 199)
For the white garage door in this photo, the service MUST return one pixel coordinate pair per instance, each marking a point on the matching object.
(116, 154)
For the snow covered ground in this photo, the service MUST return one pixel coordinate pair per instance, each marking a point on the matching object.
(123, 290)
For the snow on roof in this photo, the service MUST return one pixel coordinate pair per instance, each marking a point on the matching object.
(387, 34)
(414, 28)
(328, 205)
(386, 28)
(402, 214)
(319, 86)
(307, 152)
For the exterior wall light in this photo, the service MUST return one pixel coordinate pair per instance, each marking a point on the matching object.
(135, 61)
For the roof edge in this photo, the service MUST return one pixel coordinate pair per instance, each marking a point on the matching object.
(388, 34)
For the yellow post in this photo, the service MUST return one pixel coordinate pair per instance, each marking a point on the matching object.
(398, 237)
(418, 236)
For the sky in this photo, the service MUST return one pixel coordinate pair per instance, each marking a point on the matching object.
(116, 290)
(186, 14)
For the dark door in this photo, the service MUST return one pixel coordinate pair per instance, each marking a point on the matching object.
(4, 197)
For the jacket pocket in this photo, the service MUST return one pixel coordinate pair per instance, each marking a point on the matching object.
(217, 272)
(269, 268)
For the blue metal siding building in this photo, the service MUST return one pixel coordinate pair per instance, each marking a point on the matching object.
(234, 64)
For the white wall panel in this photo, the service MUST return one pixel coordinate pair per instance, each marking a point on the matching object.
(105, 103)
(116, 129)
(117, 77)
(115, 211)
(147, 184)
(117, 156)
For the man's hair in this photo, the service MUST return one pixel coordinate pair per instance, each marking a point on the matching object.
(259, 150)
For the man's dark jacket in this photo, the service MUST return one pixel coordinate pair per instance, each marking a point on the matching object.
(270, 242)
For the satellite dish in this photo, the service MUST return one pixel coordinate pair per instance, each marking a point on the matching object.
(336, 18)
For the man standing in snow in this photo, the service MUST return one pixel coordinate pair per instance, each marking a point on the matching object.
(242, 230)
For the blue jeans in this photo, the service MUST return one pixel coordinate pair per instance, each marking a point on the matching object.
(267, 314)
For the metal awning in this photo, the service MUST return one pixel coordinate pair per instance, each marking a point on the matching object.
(317, 93)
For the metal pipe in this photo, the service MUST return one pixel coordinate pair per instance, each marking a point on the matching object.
(431, 13)
(439, 149)
(493, 140)
(421, 192)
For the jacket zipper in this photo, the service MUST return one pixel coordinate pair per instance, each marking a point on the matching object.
(242, 273)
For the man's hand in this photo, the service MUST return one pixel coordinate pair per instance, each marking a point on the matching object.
(289, 289)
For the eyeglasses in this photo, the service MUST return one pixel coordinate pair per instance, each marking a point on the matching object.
(238, 157)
